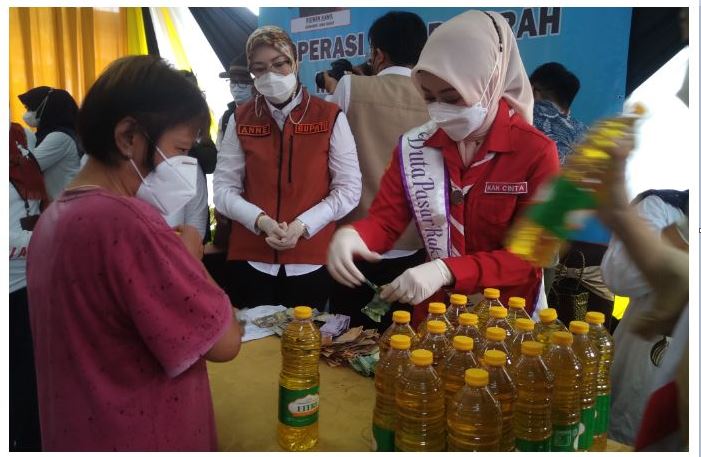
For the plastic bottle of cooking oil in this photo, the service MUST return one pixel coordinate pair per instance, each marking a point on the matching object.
(458, 305)
(420, 406)
(497, 318)
(537, 233)
(604, 346)
(298, 405)
(517, 310)
(387, 372)
(468, 326)
(436, 312)
(548, 324)
(496, 339)
(454, 365)
(504, 390)
(400, 326)
(565, 367)
(586, 353)
(474, 417)
(491, 298)
(522, 332)
(437, 342)
(534, 395)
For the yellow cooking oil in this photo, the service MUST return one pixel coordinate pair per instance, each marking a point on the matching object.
(547, 324)
(437, 342)
(504, 390)
(586, 353)
(458, 305)
(491, 298)
(496, 339)
(298, 401)
(436, 312)
(497, 318)
(387, 373)
(468, 325)
(452, 371)
(400, 326)
(474, 418)
(516, 310)
(604, 346)
(522, 332)
(420, 406)
(534, 395)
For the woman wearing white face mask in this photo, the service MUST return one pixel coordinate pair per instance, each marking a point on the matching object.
(52, 112)
(120, 302)
(287, 170)
(463, 176)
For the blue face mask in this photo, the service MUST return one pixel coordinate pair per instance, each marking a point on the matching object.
(240, 92)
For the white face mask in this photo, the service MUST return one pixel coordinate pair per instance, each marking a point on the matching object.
(459, 122)
(30, 118)
(276, 88)
(171, 185)
(240, 92)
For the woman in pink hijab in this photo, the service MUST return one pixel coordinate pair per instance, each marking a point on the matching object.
(463, 176)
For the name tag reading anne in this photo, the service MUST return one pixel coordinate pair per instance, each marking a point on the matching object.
(254, 130)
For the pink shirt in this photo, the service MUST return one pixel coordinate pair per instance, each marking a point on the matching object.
(121, 317)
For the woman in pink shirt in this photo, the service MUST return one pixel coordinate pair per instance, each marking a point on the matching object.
(123, 313)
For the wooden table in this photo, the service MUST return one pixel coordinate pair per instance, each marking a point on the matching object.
(245, 395)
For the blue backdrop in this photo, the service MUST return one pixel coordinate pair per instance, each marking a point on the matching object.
(590, 42)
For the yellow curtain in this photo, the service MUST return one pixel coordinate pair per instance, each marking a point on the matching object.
(68, 48)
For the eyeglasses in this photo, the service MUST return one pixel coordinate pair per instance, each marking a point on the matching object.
(279, 65)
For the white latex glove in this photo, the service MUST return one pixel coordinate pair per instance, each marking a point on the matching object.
(345, 244)
(418, 283)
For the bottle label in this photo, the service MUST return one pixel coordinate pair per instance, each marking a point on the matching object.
(382, 439)
(564, 437)
(298, 408)
(601, 418)
(586, 434)
(533, 446)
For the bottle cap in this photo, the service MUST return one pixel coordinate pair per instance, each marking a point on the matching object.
(302, 312)
(524, 324)
(400, 342)
(564, 338)
(496, 334)
(531, 348)
(468, 319)
(517, 302)
(463, 343)
(421, 357)
(498, 312)
(579, 327)
(436, 327)
(436, 308)
(458, 299)
(594, 317)
(495, 357)
(476, 377)
(491, 294)
(548, 315)
(401, 317)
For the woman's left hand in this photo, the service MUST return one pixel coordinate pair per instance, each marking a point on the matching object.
(418, 283)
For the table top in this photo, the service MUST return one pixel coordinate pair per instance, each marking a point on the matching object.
(245, 395)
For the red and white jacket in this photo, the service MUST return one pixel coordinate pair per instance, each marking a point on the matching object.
(506, 171)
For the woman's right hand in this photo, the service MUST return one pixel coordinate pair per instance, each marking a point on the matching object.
(345, 244)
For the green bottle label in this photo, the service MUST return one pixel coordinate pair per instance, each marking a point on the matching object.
(601, 419)
(382, 439)
(298, 408)
(586, 434)
(564, 437)
(533, 446)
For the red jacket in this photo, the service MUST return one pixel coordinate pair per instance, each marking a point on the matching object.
(520, 154)
(286, 174)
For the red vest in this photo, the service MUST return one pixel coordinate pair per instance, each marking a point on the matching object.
(286, 174)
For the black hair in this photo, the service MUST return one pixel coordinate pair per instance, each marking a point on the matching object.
(146, 88)
(556, 83)
(399, 34)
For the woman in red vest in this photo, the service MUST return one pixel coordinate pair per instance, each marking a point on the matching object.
(287, 170)
(463, 176)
